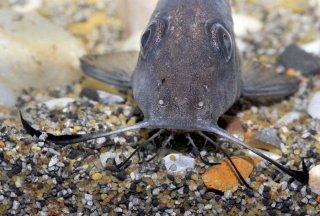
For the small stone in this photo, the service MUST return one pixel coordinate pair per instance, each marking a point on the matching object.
(289, 118)
(314, 106)
(228, 194)
(109, 98)
(312, 47)
(208, 207)
(156, 191)
(35, 149)
(90, 93)
(192, 186)
(88, 197)
(179, 162)
(96, 176)
(60, 102)
(107, 155)
(270, 136)
(54, 160)
(314, 179)
(15, 205)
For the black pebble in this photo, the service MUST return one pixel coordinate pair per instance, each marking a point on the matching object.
(124, 200)
(90, 93)
(296, 58)
(121, 176)
(74, 153)
(133, 187)
(155, 203)
(14, 171)
(105, 209)
(3, 129)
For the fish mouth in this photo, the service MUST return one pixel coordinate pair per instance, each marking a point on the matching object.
(181, 125)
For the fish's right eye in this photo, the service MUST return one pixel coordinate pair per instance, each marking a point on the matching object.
(152, 36)
(221, 40)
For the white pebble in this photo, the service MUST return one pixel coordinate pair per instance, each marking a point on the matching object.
(227, 194)
(208, 207)
(314, 179)
(54, 160)
(110, 98)
(88, 197)
(289, 118)
(15, 205)
(312, 47)
(60, 102)
(180, 163)
(314, 106)
(107, 155)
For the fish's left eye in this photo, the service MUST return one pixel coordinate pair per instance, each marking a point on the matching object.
(221, 40)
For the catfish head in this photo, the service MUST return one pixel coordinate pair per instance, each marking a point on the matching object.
(188, 72)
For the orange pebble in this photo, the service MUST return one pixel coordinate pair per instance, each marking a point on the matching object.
(248, 134)
(223, 177)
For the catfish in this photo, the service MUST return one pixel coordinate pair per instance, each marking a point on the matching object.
(187, 74)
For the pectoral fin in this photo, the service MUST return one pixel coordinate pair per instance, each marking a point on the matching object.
(261, 81)
(114, 68)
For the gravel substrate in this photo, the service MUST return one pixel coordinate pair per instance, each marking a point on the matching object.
(40, 178)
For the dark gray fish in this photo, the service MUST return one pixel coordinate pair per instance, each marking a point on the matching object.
(187, 74)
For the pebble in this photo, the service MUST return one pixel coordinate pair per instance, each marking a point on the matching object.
(314, 179)
(108, 98)
(59, 102)
(107, 155)
(270, 136)
(96, 176)
(312, 47)
(178, 162)
(101, 96)
(314, 106)
(53, 161)
(222, 177)
(289, 118)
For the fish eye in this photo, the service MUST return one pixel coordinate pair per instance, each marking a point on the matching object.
(145, 38)
(152, 36)
(221, 40)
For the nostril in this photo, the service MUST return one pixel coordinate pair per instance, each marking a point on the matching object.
(162, 102)
(199, 105)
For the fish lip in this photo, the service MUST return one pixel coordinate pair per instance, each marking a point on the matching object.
(181, 126)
